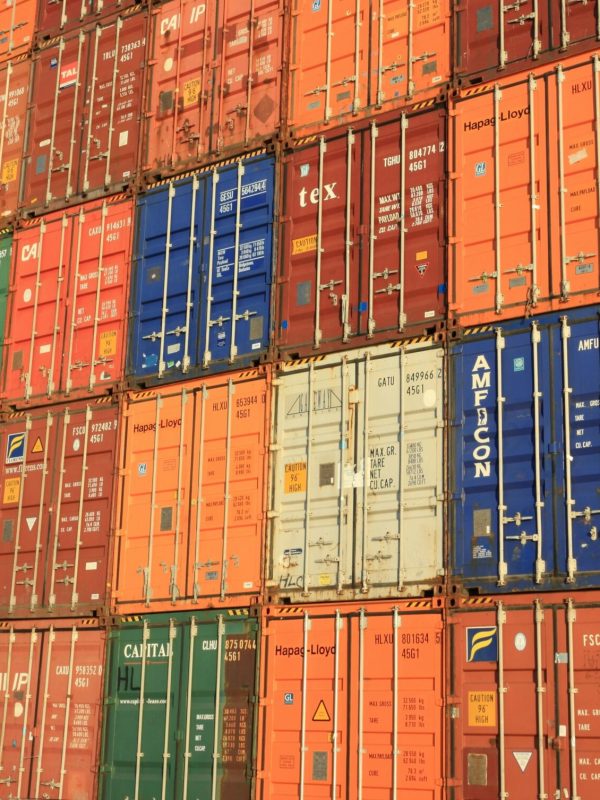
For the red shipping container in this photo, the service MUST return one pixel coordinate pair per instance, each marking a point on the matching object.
(51, 681)
(214, 81)
(55, 546)
(54, 18)
(84, 120)
(14, 92)
(17, 22)
(524, 712)
(67, 327)
(523, 196)
(363, 234)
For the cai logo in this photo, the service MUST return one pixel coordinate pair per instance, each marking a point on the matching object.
(15, 448)
(482, 644)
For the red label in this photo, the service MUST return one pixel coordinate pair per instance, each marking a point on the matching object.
(68, 75)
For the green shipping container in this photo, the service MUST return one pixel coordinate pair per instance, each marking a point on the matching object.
(179, 707)
(5, 254)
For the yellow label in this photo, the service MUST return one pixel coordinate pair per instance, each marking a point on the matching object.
(421, 255)
(304, 245)
(38, 447)
(295, 477)
(324, 580)
(108, 343)
(482, 709)
(191, 92)
(321, 714)
(12, 489)
(9, 171)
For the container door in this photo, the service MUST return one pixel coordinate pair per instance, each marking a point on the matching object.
(313, 479)
(166, 301)
(574, 22)
(52, 152)
(576, 348)
(399, 430)
(27, 448)
(574, 167)
(98, 293)
(5, 264)
(14, 92)
(319, 294)
(17, 21)
(35, 331)
(81, 522)
(403, 264)
(237, 263)
(503, 486)
(113, 98)
(500, 171)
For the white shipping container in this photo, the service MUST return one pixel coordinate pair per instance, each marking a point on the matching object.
(356, 475)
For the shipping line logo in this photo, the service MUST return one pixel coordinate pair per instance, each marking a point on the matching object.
(15, 448)
(482, 644)
(503, 116)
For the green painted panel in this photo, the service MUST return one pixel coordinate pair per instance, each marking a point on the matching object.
(175, 685)
(5, 254)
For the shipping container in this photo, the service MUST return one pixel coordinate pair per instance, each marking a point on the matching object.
(356, 496)
(214, 81)
(14, 91)
(191, 508)
(524, 455)
(493, 39)
(6, 237)
(67, 328)
(51, 677)
(352, 701)
(349, 61)
(58, 477)
(363, 235)
(179, 707)
(55, 18)
(201, 296)
(524, 165)
(83, 122)
(17, 22)
(524, 712)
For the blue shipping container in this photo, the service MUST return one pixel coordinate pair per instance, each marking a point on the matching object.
(525, 454)
(202, 272)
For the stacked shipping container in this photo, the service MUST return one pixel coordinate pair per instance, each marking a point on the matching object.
(300, 400)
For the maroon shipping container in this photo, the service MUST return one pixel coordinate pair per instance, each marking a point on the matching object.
(14, 90)
(83, 122)
(57, 478)
(498, 38)
(54, 18)
(524, 699)
(51, 681)
(68, 311)
(363, 234)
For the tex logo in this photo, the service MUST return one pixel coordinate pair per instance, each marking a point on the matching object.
(15, 448)
(482, 644)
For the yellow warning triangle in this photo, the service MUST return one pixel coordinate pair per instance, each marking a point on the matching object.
(321, 714)
(38, 447)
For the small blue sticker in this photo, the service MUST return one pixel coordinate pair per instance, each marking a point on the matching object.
(480, 169)
(284, 324)
(519, 364)
(316, 6)
(288, 698)
(142, 469)
(304, 170)
(362, 306)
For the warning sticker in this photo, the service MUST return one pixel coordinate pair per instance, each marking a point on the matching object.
(108, 343)
(295, 477)
(9, 171)
(321, 714)
(191, 92)
(12, 487)
(38, 447)
(482, 709)
(522, 757)
(305, 244)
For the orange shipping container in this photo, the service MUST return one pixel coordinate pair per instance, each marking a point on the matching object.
(350, 60)
(17, 22)
(351, 701)
(214, 80)
(192, 495)
(523, 201)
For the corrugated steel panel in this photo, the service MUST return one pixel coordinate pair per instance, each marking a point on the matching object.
(192, 494)
(203, 270)
(180, 706)
(363, 236)
(525, 444)
(58, 480)
(55, 18)
(14, 97)
(352, 701)
(67, 328)
(17, 21)
(5, 261)
(51, 675)
(523, 685)
(356, 475)
(214, 78)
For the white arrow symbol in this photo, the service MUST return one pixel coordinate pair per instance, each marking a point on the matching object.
(30, 522)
